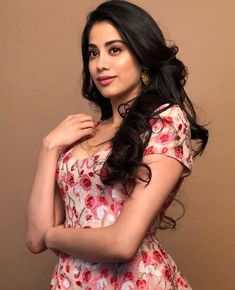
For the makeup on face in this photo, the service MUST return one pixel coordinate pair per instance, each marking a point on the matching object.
(112, 66)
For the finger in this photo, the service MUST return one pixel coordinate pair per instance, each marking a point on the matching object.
(87, 131)
(82, 116)
(78, 116)
(87, 124)
(86, 118)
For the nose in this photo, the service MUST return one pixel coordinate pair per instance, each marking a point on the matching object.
(102, 62)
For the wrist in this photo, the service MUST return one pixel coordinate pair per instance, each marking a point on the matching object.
(49, 238)
(48, 145)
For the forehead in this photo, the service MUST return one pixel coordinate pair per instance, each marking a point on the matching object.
(103, 32)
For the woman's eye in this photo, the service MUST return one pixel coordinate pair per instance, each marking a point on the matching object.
(115, 50)
(93, 53)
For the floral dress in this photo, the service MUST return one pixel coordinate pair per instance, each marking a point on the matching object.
(91, 204)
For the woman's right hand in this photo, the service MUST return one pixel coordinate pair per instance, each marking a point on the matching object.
(44, 209)
(72, 129)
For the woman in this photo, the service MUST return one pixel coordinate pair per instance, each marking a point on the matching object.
(116, 177)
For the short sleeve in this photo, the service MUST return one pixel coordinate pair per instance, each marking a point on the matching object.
(171, 136)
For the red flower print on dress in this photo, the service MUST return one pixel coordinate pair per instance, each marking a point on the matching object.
(99, 187)
(141, 284)
(57, 173)
(103, 172)
(91, 174)
(62, 192)
(164, 150)
(146, 258)
(129, 276)
(96, 157)
(167, 273)
(113, 281)
(157, 257)
(102, 199)
(85, 182)
(181, 282)
(67, 268)
(179, 152)
(64, 257)
(70, 179)
(90, 201)
(86, 276)
(150, 150)
(164, 138)
(79, 283)
(88, 217)
(167, 121)
(66, 158)
(105, 272)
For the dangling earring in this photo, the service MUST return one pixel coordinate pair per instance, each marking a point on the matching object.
(145, 77)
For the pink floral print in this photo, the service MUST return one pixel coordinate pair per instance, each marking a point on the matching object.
(90, 204)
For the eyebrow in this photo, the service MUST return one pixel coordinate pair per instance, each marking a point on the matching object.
(108, 43)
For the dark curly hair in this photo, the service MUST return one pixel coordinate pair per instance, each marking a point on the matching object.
(167, 79)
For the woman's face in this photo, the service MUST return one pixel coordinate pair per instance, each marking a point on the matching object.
(113, 68)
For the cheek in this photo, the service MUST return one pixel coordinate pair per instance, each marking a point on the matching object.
(124, 64)
(129, 66)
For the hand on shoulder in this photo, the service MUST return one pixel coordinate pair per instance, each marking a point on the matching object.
(70, 130)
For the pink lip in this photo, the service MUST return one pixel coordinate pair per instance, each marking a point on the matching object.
(105, 80)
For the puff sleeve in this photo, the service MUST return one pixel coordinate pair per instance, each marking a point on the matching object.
(171, 136)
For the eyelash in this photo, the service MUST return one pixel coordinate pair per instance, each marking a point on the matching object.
(91, 51)
(113, 51)
(118, 50)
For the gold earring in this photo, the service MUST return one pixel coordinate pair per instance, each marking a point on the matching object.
(145, 77)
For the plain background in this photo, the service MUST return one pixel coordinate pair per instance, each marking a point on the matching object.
(40, 82)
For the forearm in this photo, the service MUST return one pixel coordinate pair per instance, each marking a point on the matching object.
(94, 245)
(40, 207)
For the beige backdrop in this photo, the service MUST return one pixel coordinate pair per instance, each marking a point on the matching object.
(40, 69)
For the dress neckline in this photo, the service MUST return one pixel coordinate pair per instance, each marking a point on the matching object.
(93, 156)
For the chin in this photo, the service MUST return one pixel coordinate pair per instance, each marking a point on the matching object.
(110, 95)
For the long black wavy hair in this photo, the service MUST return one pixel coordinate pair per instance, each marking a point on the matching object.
(168, 76)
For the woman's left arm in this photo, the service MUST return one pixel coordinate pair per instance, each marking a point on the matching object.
(121, 240)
